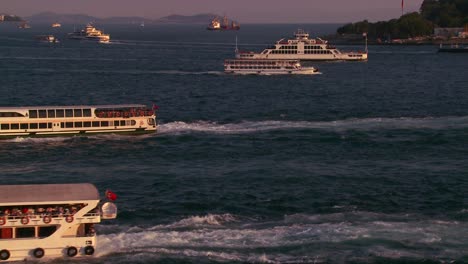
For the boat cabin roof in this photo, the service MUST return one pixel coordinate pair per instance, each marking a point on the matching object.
(47, 193)
(3, 108)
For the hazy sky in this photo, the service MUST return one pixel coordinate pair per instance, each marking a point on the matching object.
(245, 11)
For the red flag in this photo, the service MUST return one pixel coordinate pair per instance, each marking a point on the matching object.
(111, 196)
(155, 107)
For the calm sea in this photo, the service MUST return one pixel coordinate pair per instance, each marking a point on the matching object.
(365, 163)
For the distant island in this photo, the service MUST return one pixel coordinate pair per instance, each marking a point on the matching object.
(50, 17)
(417, 27)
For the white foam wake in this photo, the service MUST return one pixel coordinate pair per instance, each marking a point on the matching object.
(389, 236)
(359, 124)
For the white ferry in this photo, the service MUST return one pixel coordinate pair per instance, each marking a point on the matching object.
(41, 121)
(50, 220)
(90, 33)
(56, 25)
(303, 48)
(266, 67)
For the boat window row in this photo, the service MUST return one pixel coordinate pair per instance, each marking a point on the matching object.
(251, 62)
(58, 113)
(83, 230)
(288, 47)
(97, 123)
(15, 126)
(27, 232)
(313, 47)
(79, 124)
(132, 112)
(317, 52)
(284, 52)
(10, 114)
(257, 67)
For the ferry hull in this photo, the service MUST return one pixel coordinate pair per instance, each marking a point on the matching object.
(132, 131)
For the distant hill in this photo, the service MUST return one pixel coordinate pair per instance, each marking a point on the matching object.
(50, 17)
(195, 19)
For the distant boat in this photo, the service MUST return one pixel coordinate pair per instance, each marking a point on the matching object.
(216, 24)
(47, 39)
(454, 48)
(90, 33)
(267, 67)
(301, 47)
(24, 25)
(56, 25)
(142, 24)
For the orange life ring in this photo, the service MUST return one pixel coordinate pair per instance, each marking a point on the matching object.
(117, 114)
(101, 114)
(47, 219)
(69, 218)
(2, 220)
(125, 114)
(109, 114)
(25, 220)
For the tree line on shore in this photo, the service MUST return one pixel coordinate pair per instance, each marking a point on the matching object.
(432, 13)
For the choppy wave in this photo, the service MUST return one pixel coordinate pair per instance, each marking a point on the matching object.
(296, 238)
(359, 124)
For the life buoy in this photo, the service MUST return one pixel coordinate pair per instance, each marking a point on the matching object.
(47, 219)
(117, 114)
(25, 220)
(38, 252)
(4, 254)
(69, 218)
(72, 251)
(109, 114)
(89, 250)
(2, 220)
(126, 114)
(101, 114)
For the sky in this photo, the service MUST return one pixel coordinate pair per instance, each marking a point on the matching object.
(244, 11)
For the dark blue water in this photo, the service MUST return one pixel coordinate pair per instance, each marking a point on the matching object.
(365, 163)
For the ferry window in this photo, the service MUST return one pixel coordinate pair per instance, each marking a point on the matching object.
(68, 124)
(51, 113)
(95, 123)
(6, 233)
(78, 124)
(42, 113)
(116, 123)
(33, 126)
(69, 112)
(59, 113)
(122, 122)
(49, 125)
(32, 113)
(42, 125)
(22, 232)
(78, 113)
(151, 121)
(24, 126)
(87, 112)
(104, 123)
(5, 126)
(14, 126)
(62, 125)
(45, 231)
(87, 124)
